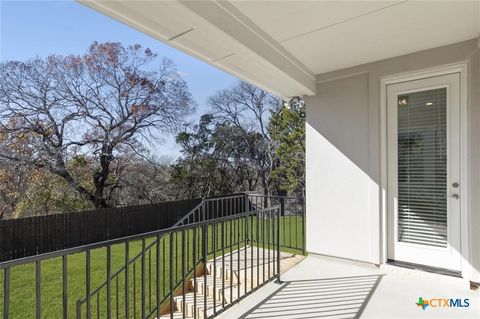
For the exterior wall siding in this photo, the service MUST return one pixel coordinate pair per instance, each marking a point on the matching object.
(343, 171)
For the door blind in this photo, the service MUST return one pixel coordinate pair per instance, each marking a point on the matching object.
(422, 167)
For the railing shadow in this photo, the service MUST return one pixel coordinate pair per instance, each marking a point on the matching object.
(343, 297)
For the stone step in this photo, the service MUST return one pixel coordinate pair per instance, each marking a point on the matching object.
(200, 305)
(200, 285)
(223, 294)
(239, 278)
(261, 271)
(234, 286)
(190, 303)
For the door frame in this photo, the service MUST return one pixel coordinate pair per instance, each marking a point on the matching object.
(461, 68)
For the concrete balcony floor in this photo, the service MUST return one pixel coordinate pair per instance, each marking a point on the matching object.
(324, 287)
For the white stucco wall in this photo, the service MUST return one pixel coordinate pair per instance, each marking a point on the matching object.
(343, 154)
(339, 187)
(474, 162)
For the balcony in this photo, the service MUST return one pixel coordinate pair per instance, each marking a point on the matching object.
(241, 256)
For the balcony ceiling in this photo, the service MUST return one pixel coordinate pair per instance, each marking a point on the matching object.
(282, 45)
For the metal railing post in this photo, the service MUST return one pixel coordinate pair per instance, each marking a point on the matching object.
(183, 273)
(6, 293)
(127, 280)
(304, 219)
(247, 209)
(142, 281)
(204, 253)
(158, 270)
(195, 287)
(87, 284)
(65, 286)
(171, 274)
(109, 288)
(279, 214)
(38, 290)
(79, 309)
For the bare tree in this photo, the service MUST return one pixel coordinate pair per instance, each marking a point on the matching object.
(110, 101)
(248, 109)
(145, 182)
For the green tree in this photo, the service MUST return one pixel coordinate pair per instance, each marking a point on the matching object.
(215, 160)
(199, 173)
(287, 129)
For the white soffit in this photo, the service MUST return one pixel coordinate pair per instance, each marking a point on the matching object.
(331, 35)
(206, 30)
(281, 45)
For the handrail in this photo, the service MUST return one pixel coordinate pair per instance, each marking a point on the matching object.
(165, 231)
(272, 196)
(181, 222)
(285, 212)
(187, 216)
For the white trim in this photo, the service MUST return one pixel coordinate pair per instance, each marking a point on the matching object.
(478, 4)
(235, 25)
(243, 19)
(462, 68)
(340, 77)
(283, 74)
(448, 257)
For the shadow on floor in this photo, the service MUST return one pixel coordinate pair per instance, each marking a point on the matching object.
(344, 297)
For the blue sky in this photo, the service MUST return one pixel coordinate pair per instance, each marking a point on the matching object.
(30, 28)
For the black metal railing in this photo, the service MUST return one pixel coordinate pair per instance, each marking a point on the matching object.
(292, 210)
(155, 268)
(207, 209)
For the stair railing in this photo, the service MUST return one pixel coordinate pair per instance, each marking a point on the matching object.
(207, 209)
(231, 241)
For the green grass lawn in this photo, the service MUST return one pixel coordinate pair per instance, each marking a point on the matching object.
(22, 278)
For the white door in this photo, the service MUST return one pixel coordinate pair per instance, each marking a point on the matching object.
(423, 127)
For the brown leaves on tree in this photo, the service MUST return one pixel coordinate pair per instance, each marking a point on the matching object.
(105, 103)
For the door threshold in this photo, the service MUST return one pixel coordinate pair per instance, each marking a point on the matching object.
(430, 269)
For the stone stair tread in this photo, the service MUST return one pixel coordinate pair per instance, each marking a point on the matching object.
(219, 272)
(189, 297)
(200, 304)
(210, 281)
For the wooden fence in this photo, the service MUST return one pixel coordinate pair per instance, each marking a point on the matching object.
(42, 234)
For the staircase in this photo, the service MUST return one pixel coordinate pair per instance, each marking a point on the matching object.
(214, 227)
(227, 279)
